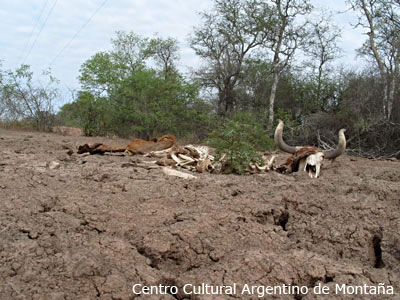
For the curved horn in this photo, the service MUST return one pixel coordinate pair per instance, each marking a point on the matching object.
(341, 147)
(279, 142)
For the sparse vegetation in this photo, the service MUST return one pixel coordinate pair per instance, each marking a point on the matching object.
(24, 102)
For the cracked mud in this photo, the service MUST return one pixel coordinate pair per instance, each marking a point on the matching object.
(90, 227)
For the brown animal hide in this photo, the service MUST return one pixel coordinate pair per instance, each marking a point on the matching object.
(139, 146)
(99, 148)
(136, 146)
(293, 162)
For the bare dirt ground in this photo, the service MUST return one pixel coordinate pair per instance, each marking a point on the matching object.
(96, 225)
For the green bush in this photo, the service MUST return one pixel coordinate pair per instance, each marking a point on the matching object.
(86, 112)
(239, 139)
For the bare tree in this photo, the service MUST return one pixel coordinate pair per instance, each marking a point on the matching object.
(22, 99)
(165, 53)
(286, 36)
(227, 36)
(322, 49)
(381, 19)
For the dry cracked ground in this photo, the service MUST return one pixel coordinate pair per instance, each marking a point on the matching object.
(94, 226)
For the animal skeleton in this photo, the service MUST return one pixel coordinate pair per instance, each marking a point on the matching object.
(170, 154)
(307, 158)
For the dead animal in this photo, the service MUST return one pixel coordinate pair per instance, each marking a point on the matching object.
(139, 146)
(306, 158)
(136, 146)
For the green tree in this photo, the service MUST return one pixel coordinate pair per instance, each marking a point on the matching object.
(86, 112)
(100, 74)
(146, 104)
(142, 100)
(104, 71)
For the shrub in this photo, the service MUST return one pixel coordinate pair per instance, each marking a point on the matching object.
(238, 139)
(86, 112)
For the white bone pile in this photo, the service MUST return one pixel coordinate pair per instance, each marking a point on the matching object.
(197, 158)
(190, 157)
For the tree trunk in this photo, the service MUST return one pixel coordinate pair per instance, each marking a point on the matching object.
(394, 80)
(318, 102)
(392, 88)
(226, 101)
(377, 56)
(276, 68)
(272, 100)
(385, 95)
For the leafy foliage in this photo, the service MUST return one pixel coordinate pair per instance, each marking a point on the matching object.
(126, 95)
(238, 139)
(146, 104)
(86, 112)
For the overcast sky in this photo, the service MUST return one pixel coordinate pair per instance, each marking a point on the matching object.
(62, 34)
